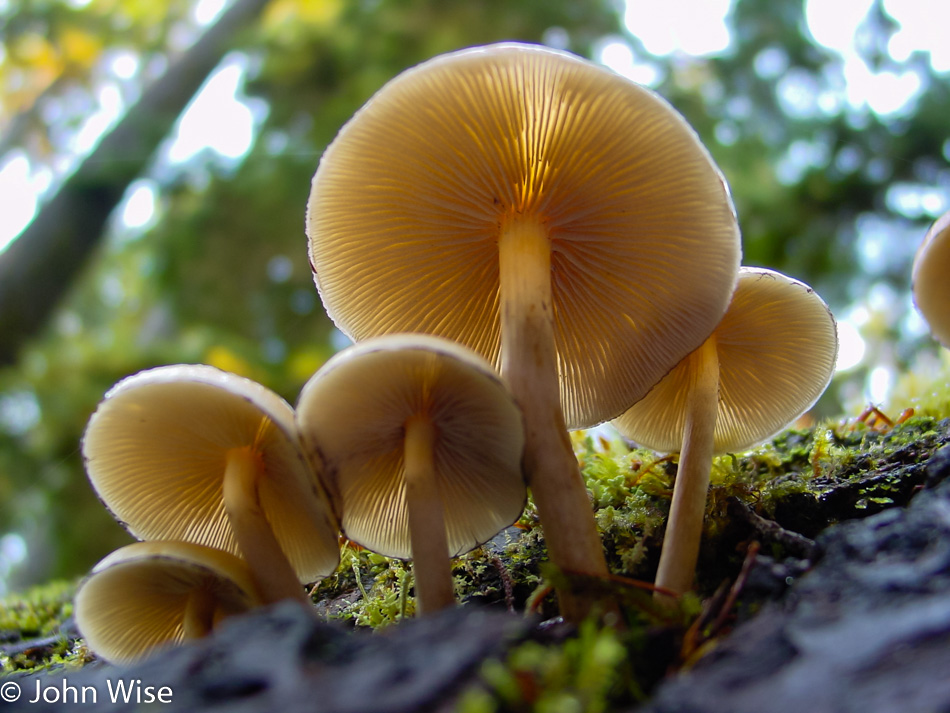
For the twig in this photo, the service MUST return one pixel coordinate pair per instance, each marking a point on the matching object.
(505, 582)
(722, 604)
(771, 531)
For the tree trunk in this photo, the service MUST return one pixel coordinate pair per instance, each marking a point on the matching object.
(39, 266)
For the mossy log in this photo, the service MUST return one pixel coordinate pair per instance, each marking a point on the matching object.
(801, 526)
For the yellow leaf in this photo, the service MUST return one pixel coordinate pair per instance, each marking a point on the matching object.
(38, 60)
(304, 363)
(79, 48)
(225, 359)
(318, 13)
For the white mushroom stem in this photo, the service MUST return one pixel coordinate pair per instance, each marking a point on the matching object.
(685, 524)
(431, 566)
(529, 365)
(273, 574)
(198, 619)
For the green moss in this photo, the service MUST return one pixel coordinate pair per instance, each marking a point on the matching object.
(588, 673)
(32, 632)
(63, 653)
(367, 589)
(804, 479)
(37, 612)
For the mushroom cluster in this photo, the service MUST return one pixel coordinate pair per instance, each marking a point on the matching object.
(412, 442)
(555, 217)
(206, 466)
(519, 242)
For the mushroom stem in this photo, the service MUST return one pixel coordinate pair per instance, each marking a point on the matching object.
(430, 551)
(685, 524)
(529, 365)
(198, 619)
(273, 574)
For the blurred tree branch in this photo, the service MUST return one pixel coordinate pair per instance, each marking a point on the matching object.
(39, 266)
(19, 125)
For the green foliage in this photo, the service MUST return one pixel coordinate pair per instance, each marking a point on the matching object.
(588, 673)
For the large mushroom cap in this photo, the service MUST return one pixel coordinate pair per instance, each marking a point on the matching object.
(156, 449)
(408, 201)
(931, 286)
(777, 347)
(353, 412)
(135, 599)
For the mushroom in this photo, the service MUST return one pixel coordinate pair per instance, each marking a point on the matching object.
(546, 212)
(193, 453)
(929, 282)
(422, 445)
(149, 594)
(771, 357)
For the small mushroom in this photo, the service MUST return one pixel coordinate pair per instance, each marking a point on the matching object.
(930, 285)
(193, 453)
(422, 445)
(771, 357)
(546, 212)
(149, 594)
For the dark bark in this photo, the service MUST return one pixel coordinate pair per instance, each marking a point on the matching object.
(865, 631)
(39, 266)
(284, 659)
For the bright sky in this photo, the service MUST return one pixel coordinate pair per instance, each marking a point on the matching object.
(834, 23)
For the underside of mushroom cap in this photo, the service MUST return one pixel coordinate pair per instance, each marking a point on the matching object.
(354, 410)
(156, 450)
(777, 347)
(134, 600)
(408, 202)
(931, 285)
